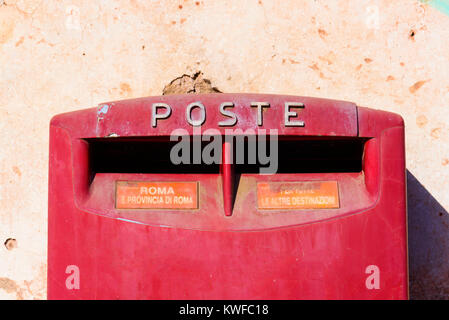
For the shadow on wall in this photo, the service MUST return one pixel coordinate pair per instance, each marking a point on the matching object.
(428, 243)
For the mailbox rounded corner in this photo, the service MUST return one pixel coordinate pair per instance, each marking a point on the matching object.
(372, 121)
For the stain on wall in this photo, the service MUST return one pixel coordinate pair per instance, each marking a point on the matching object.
(194, 83)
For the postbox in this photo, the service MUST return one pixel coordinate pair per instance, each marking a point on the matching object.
(227, 196)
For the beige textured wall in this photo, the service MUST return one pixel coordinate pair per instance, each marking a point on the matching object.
(58, 56)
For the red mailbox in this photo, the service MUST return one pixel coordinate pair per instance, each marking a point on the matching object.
(227, 196)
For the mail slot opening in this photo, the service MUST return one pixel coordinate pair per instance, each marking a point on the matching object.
(294, 155)
(308, 155)
(142, 155)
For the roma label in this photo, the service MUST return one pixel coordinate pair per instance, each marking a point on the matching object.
(156, 195)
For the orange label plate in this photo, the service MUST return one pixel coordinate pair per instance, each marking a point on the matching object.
(298, 195)
(156, 195)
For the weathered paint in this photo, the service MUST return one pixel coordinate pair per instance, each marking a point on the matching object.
(102, 110)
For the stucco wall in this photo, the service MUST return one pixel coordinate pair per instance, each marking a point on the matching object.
(58, 56)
